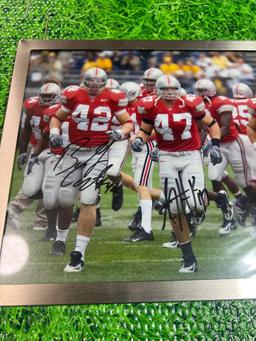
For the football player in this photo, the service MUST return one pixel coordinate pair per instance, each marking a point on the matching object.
(116, 157)
(115, 151)
(148, 88)
(34, 108)
(181, 171)
(53, 176)
(91, 109)
(142, 166)
(150, 77)
(243, 107)
(232, 145)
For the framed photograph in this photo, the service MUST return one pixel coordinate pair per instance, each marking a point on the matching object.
(127, 173)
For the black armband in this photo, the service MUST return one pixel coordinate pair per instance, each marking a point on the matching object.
(146, 132)
(215, 142)
(147, 121)
(212, 123)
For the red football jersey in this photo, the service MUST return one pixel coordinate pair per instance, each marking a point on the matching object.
(175, 126)
(241, 113)
(49, 112)
(35, 111)
(216, 106)
(90, 119)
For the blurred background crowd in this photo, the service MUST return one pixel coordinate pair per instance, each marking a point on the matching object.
(224, 68)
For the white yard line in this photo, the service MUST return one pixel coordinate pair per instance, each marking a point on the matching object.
(146, 260)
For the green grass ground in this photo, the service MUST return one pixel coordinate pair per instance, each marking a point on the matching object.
(109, 258)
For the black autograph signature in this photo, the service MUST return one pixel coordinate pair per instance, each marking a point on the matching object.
(86, 180)
(181, 198)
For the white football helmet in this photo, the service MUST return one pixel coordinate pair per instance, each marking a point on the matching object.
(95, 80)
(183, 92)
(112, 84)
(242, 90)
(205, 88)
(131, 89)
(168, 87)
(49, 94)
(150, 77)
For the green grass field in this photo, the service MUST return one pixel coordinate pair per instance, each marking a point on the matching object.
(108, 258)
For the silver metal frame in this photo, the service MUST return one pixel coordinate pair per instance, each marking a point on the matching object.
(111, 292)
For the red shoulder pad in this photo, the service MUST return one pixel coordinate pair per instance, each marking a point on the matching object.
(70, 93)
(194, 102)
(223, 104)
(146, 104)
(30, 103)
(117, 96)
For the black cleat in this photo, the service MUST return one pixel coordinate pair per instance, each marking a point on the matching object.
(173, 243)
(118, 197)
(76, 263)
(189, 266)
(227, 227)
(135, 224)
(58, 248)
(141, 235)
(49, 236)
(98, 217)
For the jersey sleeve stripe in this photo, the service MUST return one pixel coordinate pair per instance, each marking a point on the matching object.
(226, 107)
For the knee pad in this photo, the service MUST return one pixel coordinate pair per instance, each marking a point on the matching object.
(67, 196)
(89, 196)
(31, 186)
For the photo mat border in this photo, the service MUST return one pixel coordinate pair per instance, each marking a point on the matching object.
(111, 292)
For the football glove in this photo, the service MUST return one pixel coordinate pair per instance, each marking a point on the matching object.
(154, 154)
(137, 144)
(55, 140)
(215, 155)
(32, 161)
(21, 160)
(115, 135)
(206, 149)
